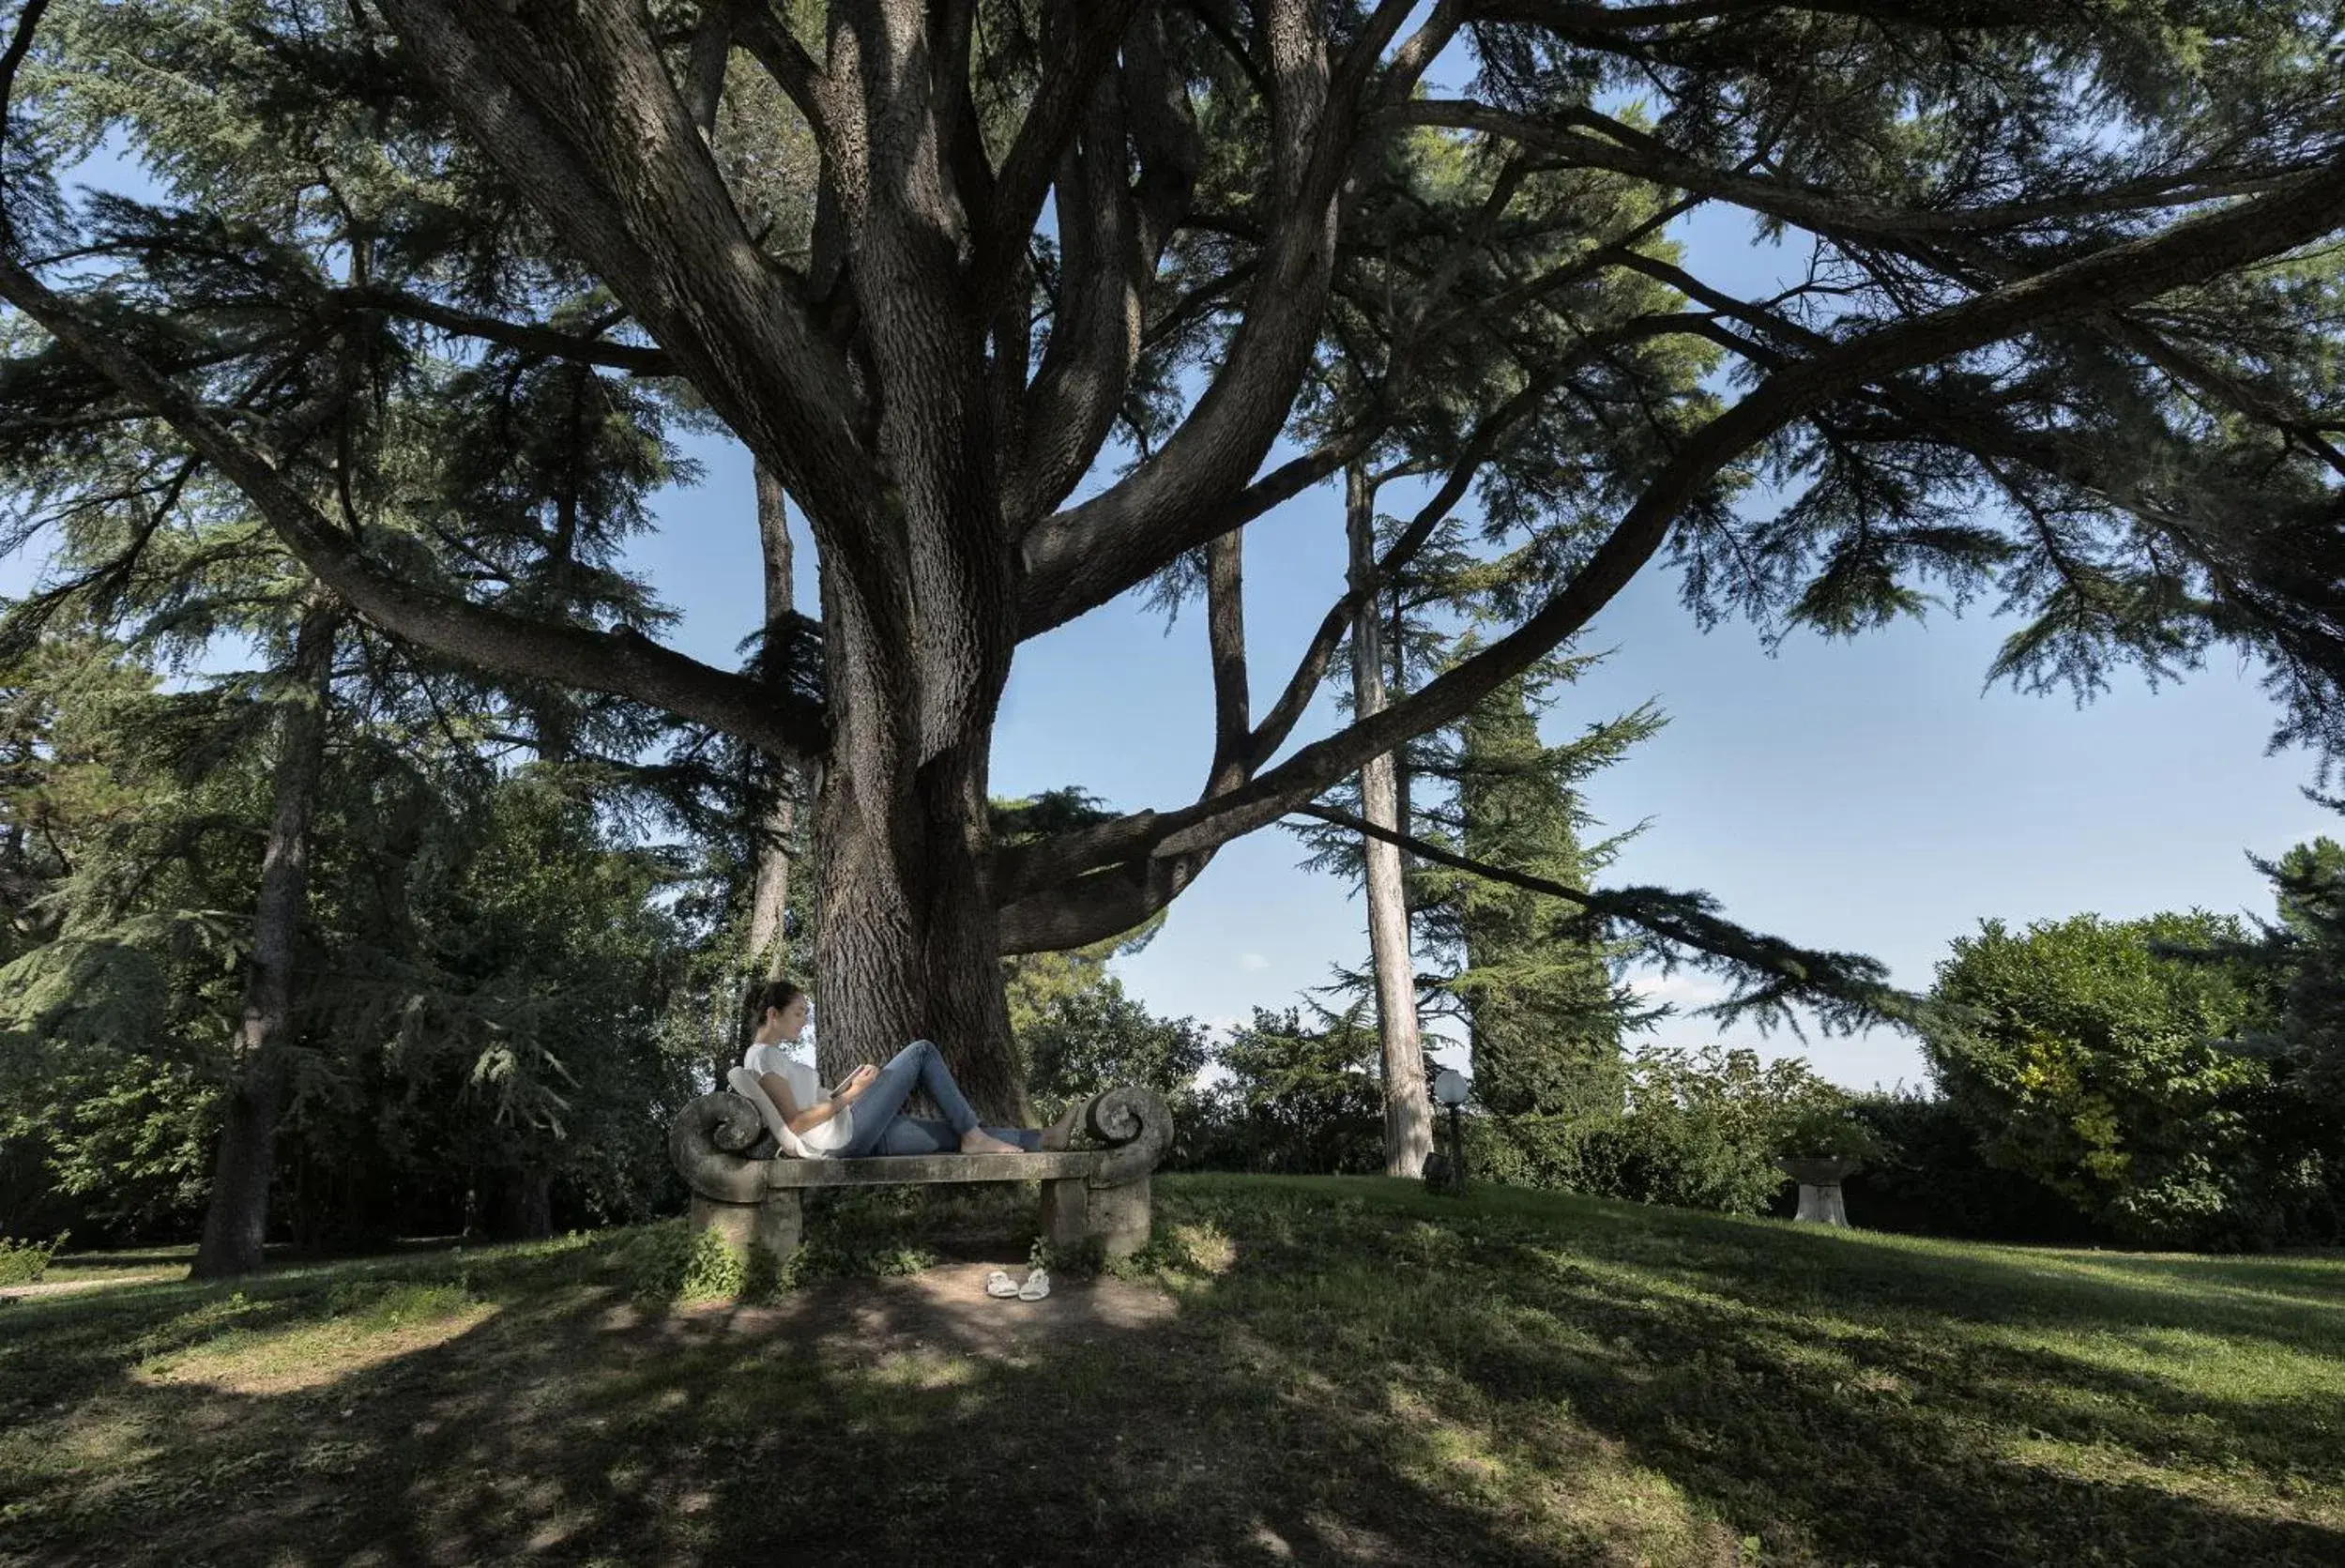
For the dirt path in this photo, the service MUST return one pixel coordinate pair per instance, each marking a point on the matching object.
(941, 1308)
(71, 1286)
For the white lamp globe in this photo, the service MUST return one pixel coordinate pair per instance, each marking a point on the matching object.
(1450, 1087)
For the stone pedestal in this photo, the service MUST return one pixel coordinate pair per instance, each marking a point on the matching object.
(775, 1225)
(1121, 1218)
(1066, 1217)
(1819, 1188)
(1076, 1211)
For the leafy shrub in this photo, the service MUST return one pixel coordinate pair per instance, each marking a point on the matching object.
(1827, 1131)
(1296, 1098)
(2086, 1056)
(1700, 1130)
(1929, 1177)
(25, 1262)
(1083, 1041)
(669, 1262)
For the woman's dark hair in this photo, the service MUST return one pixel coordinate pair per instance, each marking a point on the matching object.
(774, 994)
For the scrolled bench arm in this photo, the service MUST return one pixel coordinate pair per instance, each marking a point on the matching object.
(1134, 1126)
(706, 1141)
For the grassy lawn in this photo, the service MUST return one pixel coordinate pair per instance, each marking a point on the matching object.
(1311, 1370)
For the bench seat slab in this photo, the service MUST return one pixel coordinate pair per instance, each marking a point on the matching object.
(896, 1170)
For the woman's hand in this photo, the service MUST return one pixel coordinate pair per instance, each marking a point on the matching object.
(857, 1081)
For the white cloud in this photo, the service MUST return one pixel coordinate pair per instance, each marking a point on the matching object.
(1684, 990)
(1252, 962)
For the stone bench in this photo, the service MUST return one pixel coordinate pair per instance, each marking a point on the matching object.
(1097, 1192)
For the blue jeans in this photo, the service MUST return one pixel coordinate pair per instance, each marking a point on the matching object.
(881, 1130)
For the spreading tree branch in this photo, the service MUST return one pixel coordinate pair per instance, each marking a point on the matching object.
(2191, 252)
(1849, 991)
(622, 662)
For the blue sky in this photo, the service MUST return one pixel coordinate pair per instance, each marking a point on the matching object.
(1865, 795)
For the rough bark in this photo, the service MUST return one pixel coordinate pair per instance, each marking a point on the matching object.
(1225, 637)
(1407, 1112)
(236, 1220)
(919, 619)
(907, 943)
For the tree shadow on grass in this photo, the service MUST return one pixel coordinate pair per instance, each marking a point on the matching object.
(1345, 1379)
(1850, 1401)
(882, 1422)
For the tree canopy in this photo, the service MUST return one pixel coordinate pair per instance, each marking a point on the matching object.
(1022, 302)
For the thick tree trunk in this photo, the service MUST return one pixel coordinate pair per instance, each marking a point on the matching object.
(907, 937)
(1407, 1112)
(906, 945)
(236, 1220)
(519, 1206)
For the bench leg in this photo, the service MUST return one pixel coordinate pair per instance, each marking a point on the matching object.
(1074, 1211)
(1120, 1216)
(1066, 1212)
(775, 1226)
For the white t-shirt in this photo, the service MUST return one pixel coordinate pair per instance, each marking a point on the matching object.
(823, 1137)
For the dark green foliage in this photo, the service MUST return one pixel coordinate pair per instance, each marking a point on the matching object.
(1698, 1129)
(2302, 955)
(1296, 1097)
(516, 1023)
(1928, 1177)
(25, 1262)
(2091, 1061)
(483, 972)
(1096, 1038)
(490, 975)
(1544, 1013)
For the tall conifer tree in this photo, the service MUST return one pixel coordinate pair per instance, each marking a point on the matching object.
(1545, 1016)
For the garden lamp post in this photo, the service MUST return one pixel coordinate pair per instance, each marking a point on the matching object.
(1449, 1089)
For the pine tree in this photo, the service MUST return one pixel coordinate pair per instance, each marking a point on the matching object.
(1545, 1013)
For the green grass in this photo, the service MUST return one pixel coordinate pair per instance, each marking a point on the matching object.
(1310, 1370)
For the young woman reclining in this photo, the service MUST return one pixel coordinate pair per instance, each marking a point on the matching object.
(866, 1115)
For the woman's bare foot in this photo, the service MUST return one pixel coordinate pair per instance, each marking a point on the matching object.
(1062, 1134)
(979, 1141)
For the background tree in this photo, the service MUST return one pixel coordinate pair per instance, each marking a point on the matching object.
(1299, 1098)
(1546, 1012)
(2084, 1055)
(1087, 1041)
(2306, 951)
(2113, 327)
(109, 1109)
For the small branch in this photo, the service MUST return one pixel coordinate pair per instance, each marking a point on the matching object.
(1058, 106)
(21, 44)
(770, 42)
(546, 341)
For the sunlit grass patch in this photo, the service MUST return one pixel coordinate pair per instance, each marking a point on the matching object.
(366, 1325)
